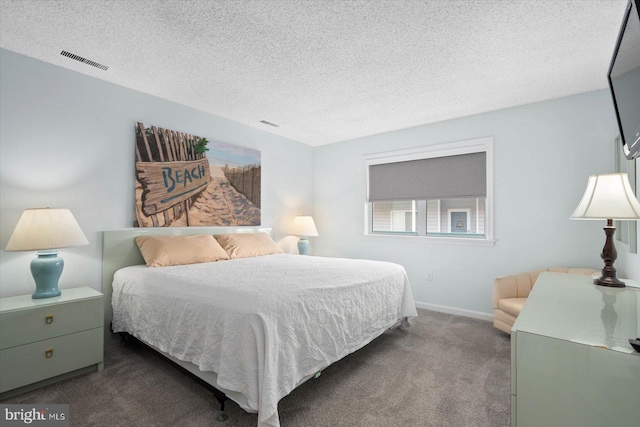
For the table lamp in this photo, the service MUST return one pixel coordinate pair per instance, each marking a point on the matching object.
(303, 226)
(608, 197)
(45, 230)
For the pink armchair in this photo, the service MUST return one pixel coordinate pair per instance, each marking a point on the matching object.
(511, 292)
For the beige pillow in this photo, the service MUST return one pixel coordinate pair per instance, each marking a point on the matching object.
(162, 251)
(246, 245)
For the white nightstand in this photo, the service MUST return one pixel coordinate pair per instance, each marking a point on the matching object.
(46, 340)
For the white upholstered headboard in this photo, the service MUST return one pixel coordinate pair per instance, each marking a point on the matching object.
(119, 250)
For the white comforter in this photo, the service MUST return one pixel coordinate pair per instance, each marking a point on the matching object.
(262, 324)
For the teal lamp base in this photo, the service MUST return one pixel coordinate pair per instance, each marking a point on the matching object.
(46, 270)
(303, 246)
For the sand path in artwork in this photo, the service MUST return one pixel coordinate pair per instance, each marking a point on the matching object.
(220, 205)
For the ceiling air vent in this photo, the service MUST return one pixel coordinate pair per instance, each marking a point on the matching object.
(85, 60)
(269, 123)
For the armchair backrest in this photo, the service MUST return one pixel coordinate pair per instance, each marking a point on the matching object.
(519, 285)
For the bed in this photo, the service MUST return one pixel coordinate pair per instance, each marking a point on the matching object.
(254, 328)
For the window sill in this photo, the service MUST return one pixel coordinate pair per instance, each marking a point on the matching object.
(435, 240)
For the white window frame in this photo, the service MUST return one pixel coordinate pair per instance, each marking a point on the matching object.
(477, 145)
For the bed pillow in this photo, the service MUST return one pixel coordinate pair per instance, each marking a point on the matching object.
(245, 245)
(162, 251)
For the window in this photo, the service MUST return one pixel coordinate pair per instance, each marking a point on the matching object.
(443, 192)
(394, 217)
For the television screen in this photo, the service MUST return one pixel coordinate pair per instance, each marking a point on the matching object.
(624, 80)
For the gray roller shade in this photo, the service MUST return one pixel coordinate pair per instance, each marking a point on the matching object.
(458, 176)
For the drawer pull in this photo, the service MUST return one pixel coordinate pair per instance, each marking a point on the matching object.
(49, 319)
(49, 353)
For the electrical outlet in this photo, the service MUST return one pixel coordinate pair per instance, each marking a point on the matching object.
(429, 276)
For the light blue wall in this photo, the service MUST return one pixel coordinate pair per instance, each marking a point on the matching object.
(544, 153)
(67, 140)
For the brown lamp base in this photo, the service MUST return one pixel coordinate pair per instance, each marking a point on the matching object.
(611, 282)
(609, 255)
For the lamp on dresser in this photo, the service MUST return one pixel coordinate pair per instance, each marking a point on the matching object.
(608, 197)
(304, 227)
(46, 230)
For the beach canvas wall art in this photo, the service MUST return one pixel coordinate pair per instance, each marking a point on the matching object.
(185, 180)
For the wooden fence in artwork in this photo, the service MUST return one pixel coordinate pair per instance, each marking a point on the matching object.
(246, 180)
(171, 174)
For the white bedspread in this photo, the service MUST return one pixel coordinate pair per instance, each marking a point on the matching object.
(262, 324)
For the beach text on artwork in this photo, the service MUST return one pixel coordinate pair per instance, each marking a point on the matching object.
(181, 177)
(166, 184)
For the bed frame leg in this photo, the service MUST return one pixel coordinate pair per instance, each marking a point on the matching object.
(125, 338)
(404, 323)
(221, 398)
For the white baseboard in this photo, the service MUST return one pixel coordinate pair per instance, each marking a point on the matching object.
(457, 311)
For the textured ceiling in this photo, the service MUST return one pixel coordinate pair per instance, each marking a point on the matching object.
(328, 71)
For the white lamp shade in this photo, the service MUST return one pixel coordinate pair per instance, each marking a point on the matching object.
(608, 197)
(40, 229)
(304, 226)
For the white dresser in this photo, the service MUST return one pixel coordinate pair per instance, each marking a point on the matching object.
(46, 340)
(571, 361)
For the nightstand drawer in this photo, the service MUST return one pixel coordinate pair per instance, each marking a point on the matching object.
(39, 323)
(38, 361)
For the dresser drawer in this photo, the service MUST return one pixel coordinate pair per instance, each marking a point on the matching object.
(48, 321)
(45, 359)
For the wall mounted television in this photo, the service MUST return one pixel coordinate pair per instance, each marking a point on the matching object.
(624, 80)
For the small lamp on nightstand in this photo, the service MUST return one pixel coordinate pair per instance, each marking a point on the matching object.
(608, 197)
(45, 230)
(303, 226)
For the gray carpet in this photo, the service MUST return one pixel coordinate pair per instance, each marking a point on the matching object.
(444, 371)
